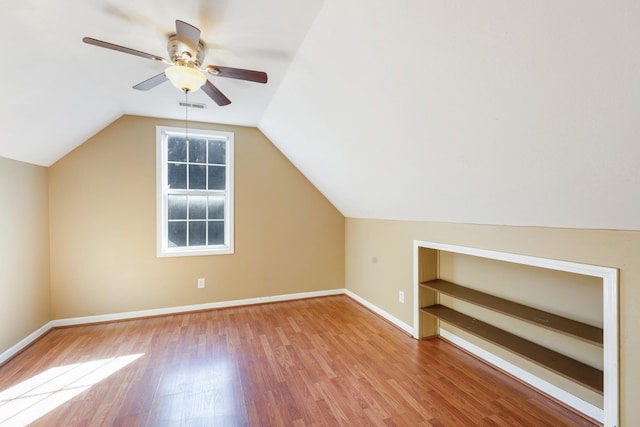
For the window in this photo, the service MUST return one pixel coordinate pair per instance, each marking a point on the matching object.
(195, 192)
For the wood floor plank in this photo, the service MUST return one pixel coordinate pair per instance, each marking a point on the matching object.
(317, 362)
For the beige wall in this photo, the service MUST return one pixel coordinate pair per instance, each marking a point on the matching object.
(288, 237)
(379, 263)
(24, 251)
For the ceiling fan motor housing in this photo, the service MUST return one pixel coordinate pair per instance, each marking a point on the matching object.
(182, 53)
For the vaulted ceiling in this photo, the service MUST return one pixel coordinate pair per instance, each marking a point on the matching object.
(497, 112)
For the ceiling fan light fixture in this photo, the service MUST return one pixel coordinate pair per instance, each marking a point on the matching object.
(186, 53)
(186, 79)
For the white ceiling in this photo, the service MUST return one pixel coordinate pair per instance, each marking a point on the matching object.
(496, 112)
(493, 112)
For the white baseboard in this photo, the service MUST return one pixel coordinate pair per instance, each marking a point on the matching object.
(399, 323)
(74, 321)
(557, 393)
(196, 307)
(24, 343)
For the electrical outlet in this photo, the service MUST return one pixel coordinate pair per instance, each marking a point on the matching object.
(401, 296)
(201, 283)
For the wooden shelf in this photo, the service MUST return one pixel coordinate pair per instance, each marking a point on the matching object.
(563, 325)
(586, 375)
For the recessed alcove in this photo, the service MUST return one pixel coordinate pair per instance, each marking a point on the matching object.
(550, 323)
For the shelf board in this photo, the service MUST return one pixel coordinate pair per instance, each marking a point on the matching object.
(579, 372)
(563, 325)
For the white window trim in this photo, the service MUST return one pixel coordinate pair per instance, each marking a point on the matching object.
(161, 200)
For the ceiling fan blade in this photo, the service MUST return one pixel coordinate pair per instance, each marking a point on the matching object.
(215, 94)
(188, 34)
(151, 82)
(237, 73)
(130, 51)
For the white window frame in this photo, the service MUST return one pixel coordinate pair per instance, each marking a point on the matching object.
(163, 249)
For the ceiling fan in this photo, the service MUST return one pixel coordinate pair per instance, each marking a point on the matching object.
(185, 71)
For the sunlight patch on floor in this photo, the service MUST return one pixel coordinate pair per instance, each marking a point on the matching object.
(31, 399)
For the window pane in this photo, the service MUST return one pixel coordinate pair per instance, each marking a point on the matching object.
(197, 151)
(177, 207)
(177, 149)
(216, 207)
(198, 207)
(217, 180)
(197, 235)
(217, 152)
(177, 175)
(177, 234)
(197, 177)
(194, 196)
(216, 233)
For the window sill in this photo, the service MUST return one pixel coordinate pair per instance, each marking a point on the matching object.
(165, 253)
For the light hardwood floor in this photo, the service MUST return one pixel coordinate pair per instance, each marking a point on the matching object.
(323, 362)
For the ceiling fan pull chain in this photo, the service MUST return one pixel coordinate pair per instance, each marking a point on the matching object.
(186, 115)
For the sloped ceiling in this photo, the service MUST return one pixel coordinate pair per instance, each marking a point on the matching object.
(496, 112)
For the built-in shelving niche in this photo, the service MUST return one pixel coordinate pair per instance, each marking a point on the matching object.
(551, 323)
